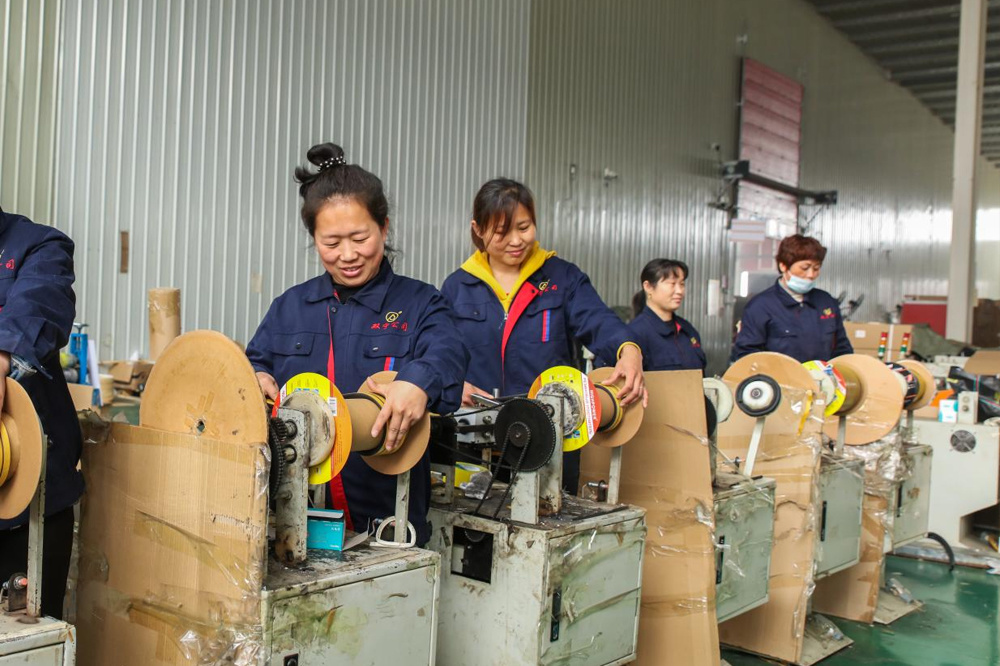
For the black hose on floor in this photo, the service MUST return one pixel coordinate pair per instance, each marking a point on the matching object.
(947, 548)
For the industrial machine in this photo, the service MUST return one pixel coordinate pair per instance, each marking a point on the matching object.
(964, 475)
(966, 447)
(374, 587)
(27, 637)
(894, 472)
(532, 575)
(744, 504)
(307, 594)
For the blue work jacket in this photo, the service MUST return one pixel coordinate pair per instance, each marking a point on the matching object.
(562, 305)
(806, 331)
(37, 306)
(392, 323)
(667, 345)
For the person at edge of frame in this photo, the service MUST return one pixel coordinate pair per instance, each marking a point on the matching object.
(37, 307)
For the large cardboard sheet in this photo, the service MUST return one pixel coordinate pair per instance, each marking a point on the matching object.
(172, 549)
(665, 469)
(790, 454)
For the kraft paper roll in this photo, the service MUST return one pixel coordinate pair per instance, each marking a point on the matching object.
(107, 389)
(164, 318)
(204, 385)
(23, 451)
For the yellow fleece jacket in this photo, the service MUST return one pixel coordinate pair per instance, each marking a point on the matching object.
(478, 265)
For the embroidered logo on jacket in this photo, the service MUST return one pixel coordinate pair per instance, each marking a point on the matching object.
(391, 321)
(695, 343)
(827, 314)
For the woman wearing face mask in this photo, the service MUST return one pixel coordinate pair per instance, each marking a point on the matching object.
(669, 342)
(793, 317)
(359, 318)
(519, 307)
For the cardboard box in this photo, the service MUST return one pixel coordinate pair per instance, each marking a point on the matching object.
(83, 396)
(984, 362)
(173, 546)
(890, 355)
(130, 376)
(868, 335)
(665, 468)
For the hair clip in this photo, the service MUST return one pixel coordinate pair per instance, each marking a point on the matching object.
(331, 162)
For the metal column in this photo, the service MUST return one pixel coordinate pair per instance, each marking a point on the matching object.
(968, 121)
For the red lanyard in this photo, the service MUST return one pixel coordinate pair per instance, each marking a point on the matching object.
(338, 495)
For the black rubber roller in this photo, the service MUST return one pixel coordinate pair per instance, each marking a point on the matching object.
(529, 432)
(758, 395)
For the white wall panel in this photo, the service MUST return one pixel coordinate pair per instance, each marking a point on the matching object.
(180, 122)
(646, 87)
(28, 69)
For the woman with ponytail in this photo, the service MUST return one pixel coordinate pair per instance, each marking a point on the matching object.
(358, 318)
(668, 341)
(520, 308)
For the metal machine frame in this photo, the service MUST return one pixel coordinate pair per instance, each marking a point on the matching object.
(538, 582)
(965, 474)
(339, 607)
(26, 637)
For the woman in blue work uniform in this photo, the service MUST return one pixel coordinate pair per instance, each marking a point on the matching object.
(519, 308)
(359, 318)
(37, 306)
(792, 317)
(668, 341)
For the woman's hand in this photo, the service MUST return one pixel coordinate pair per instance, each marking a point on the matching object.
(470, 390)
(268, 385)
(405, 404)
(629, 369)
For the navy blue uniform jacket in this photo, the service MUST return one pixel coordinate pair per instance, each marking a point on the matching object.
(812, 330)
(37, 306)
(392, 323)
(667, 345)
(566, 306)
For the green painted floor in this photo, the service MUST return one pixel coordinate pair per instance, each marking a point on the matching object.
(958, 625)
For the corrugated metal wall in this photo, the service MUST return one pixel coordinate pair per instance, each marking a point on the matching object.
(644, 89)
(180, 123)
(28, 66)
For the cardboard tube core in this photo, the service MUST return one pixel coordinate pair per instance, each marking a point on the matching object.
(364, 409)
(164, 318)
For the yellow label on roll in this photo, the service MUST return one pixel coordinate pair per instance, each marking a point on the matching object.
(317, 383)
(584, 389)
(831, 383)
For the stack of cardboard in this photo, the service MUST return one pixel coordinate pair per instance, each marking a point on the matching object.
(130, 376)
(887, 342)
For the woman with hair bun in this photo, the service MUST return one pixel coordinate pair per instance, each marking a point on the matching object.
(520, 308)
(668, 341)
(792, 317)
(359, 318)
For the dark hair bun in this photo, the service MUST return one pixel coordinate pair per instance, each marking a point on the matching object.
(328, 176)
(323, 152)
(318, 155)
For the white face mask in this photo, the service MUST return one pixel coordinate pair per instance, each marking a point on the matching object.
(800, 285)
